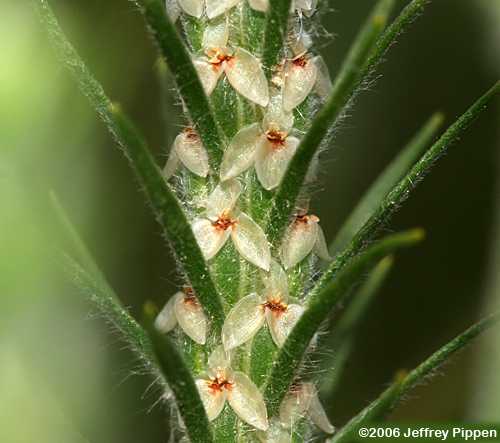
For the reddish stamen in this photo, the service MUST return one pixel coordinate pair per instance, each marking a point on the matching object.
(224, 222)
(277, 138)
(300, 62)
(218, 384)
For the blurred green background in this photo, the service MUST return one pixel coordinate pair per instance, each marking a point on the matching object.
(65, 378)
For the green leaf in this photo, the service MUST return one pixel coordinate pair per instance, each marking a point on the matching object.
(181, 382)
(354, 70)
(165, 204)
(389, 178)
(402, 190)
(391, 397)
(343, 336)
(319, 308)
(275, 32)
(181, 65)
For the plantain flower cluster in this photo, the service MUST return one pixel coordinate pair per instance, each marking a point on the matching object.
(261, 147)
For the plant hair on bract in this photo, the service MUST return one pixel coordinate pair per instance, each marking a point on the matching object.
(237, 349)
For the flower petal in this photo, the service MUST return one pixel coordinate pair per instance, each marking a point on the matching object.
(216, 35)
(240, 154)
(173, 10)
(300, 42)
(272, 161)
(218, 7)
(275, 434)
(295, 404)
(276, 118)
(247, 77)
(323, 81)
(219, 360)
(259, 5)
(191, 318)
(318, 415)
(282, 323)
(209, 74)
(276, 282)
(251, 242)
(248, 402)
(172, 164)
(243, 321)
(300, 78)
(223, 198)
(192, 153)
(209, 238)
(320, 247)
(166, 320)
(213, 400)
(298, 242)
(192, 7)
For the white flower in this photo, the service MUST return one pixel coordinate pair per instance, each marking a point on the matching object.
(269, 146)
(301, 401)
(301, 6)
(184, 308)
(251, 312)
(302, 237)
(275, 434)
(223, 221)
(196, 8)
(221, 384)
(189, 150)
(242, 69)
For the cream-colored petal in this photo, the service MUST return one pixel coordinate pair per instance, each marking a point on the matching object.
(299, 82)
(219, 360)
(171, 165)
(192, 153)
(247, 77)
(210, 239)
(223, 198)
(271, 162)
(192, 7)
(218, 7)
(248, 402)
(276, 282)
(323, 81)
(295, 404)
(216, 34)
(240, 154)
(243, 321)
(173, 10)
(318, 415)
(209, 74)
(298, 242)
(251, 242)
(275, 434)
(320, 247)
(276, 118)
(191, 318)
(259, 5)
(281, 324)
(300, 42)
(213, 400)
(166, 320)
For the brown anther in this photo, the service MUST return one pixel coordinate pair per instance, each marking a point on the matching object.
(224, 222)
(218, 384)
(189, 297)
(300, 61)
(217, 56)
(305, 218)
(276, 138)
(191, 134)
(276, 306)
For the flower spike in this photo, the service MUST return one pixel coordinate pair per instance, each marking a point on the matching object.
(302, 237)
(221, 384)
(183, 308)
(222, 222)
(251, 312)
